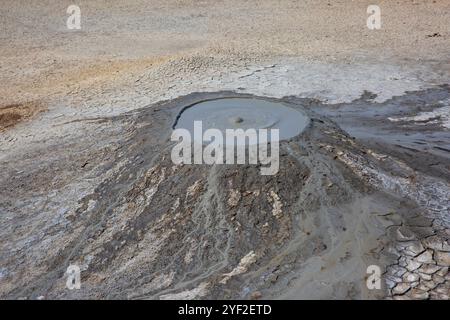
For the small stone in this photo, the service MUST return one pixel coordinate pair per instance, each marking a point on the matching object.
(401, 288)
(426, 257)
(442, 258)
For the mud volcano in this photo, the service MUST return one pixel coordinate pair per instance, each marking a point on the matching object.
(244, 113)
(338, 204)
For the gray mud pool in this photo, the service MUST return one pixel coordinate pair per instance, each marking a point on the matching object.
(243, 113)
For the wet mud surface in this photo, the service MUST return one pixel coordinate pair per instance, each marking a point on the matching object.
(354, 189)
(238, 113)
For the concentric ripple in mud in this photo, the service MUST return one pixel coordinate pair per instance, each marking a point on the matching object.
(244, 113)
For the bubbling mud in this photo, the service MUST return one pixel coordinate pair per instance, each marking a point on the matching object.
(244, 113)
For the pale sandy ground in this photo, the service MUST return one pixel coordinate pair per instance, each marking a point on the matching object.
(130, 54)
(119, 42)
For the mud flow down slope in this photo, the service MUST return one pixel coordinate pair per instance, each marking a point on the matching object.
(87, 176)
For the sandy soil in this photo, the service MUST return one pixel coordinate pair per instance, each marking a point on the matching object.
(86, 176)
(118, 42)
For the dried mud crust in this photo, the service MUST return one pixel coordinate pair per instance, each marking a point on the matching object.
(413, 147)
(149, 229)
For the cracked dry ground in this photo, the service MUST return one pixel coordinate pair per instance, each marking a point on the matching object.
(145, 228)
